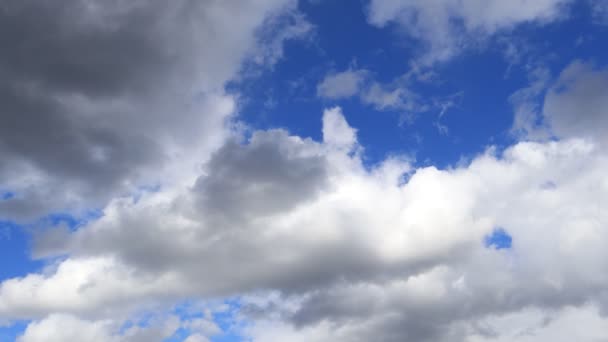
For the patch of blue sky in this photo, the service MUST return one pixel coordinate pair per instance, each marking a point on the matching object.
(15, 257)
(229, 322)
(225, 314)
(11, 330)
(71, 220)
(16, 240)
(6, 195)
(499, 239)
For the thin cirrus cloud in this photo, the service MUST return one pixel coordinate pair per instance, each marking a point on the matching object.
(309, 240)
(359, 83)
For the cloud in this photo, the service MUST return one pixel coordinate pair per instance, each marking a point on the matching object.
(576, 104)
(342, 84)
(447, 27)
(109, 96)
(354, 253)
(336, 131)
(282, 171)
(571, 104)
(396, 95)
(599, 11)
(527, 105)
(581, 324)
(64, 328)
(313, 243)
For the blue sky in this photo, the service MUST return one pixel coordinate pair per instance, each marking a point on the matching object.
(304, 170)
(481, 79)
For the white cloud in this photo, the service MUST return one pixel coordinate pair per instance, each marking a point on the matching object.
(67, 328)
(196, 338)
(336, 131)
(62, 328)
(570, 324)
(358, 253)
(348, 252)
(447, 26)
(395, 95)
(342, 84)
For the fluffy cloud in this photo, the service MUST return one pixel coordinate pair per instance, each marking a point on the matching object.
(354, 253)
(577, 104)
(106, 97)
(60, 327)
(573, 104)
(314, 244)
(447, 26)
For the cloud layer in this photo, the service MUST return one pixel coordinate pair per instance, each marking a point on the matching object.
(360, 251)
(121, 106)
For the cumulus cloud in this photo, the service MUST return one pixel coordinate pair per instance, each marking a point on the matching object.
(447, 27)
(314, 244)
(571, 104)
(108, 96)
(354, 253)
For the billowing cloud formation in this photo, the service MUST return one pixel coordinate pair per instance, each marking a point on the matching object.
(125, 90)
(359, 253)
(447, 26)
(314, 244)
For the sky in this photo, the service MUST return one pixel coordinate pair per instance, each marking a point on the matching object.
(303, 170)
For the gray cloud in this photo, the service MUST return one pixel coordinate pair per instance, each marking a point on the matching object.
(268, 175)
(354, 253)
(357, 255)
(96, 94)
(576, 105)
